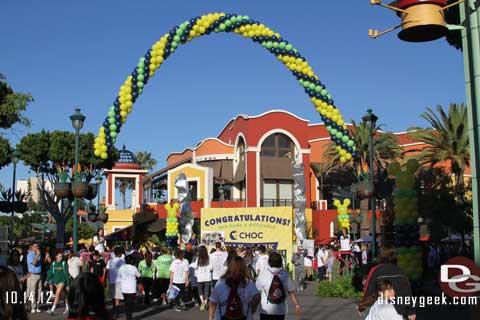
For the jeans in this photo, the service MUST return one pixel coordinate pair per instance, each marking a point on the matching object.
(34, 289)
(204, 290)
(129, 304)
(321, 273)
(147, 287)
(300, 276)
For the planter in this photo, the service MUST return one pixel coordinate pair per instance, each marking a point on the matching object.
(93, 217)
(62, 189)
(79, 189)
(6, 206)
(92, 191)
(20, 207)
(103, 217)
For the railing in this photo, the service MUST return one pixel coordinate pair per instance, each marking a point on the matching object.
(276, 202)
(319, 205)
(228, 203)
(229, 200)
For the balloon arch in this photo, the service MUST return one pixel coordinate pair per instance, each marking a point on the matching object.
(233, 23)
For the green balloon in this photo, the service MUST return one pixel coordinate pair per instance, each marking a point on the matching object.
(222, 27)
(141, 65)
(339, 135)
(324, 92)
(113, 127)
(228, 23)
(111, 120)
(140, 84)
(329, 96)
(176, 38)
(289, 47)
(282, 45)
(113, 134)
(354, 148)
(174, 44)
(345, 139)
(329, 128)
(350, 143)
(311, 86)
(142, 59)
(112, 108)
(275, 45)
(111, 113)
(318, 89)
(140, 91)
(140, 77)
(140, 70)
(333, 131)
(269, 44)
(246, 18)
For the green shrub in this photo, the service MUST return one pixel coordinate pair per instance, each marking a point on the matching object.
(341, 287)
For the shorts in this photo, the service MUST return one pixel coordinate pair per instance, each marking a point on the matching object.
(116, 291)
(163, 285)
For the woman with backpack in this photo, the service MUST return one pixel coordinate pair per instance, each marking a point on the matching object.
(58, 274)
(235, 295)
(275, 284)
(203, 271)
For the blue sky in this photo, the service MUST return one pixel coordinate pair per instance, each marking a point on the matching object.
(78, 53)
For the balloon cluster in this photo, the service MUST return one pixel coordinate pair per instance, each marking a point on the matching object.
(133, 86)
(409, 254)
(171, 232)
(343, 216)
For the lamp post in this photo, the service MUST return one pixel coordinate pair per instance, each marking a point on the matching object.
(221, 191)
(370, 120)
(44, 223)
(77, 122)
(98, 181)
(14, 161)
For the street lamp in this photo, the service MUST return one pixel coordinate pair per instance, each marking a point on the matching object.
(77, 122)
(98, 181)
(370, 120)
(15, 159)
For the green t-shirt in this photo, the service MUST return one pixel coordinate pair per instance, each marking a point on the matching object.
(58, 273)
(145, 270)
(163, 266)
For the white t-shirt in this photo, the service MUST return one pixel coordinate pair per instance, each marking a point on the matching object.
(128, 274)
(218, 260)
(321, 255)
(180, 270)
(74, 265)
(263, 285)
(307, 262)
(100, 247)
(220, 296)
(356, 248)
(112, 266)
(203, 273)
(262, 263)
(384, 310)
(345, 243)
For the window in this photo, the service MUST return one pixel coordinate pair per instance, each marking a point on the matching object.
(277, 145)
(277, 193)
(226, 191)
(241, 150)
(193, 190)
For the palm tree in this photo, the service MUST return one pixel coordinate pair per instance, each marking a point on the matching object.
(146, 161)
(385, 150)
(123, 185)
(447, 141)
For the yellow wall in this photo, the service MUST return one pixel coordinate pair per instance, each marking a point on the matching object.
(198, 173)
(118, 219)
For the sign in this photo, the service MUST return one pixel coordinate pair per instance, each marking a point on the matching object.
(460, 277)
(272, 227)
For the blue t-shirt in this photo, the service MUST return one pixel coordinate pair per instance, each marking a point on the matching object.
(37, 268)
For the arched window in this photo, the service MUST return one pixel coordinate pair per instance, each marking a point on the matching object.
(278, 145)
(241, 149)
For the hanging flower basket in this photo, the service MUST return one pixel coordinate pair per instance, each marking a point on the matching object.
(62, 189)
(92, 191)
(20, 206)
(6, 206)
(103, 217)
(79, 189)
(92, 216)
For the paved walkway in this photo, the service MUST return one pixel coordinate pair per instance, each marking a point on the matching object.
(313, 308)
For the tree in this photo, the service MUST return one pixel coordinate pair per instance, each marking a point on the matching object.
(447, 142)
(12, 108)
(146, 161)
(44, 150)
(123, 185)
(84, 230)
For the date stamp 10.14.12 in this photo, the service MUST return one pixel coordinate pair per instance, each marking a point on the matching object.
(14, 297)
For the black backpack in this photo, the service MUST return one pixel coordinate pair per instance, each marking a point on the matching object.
(276, 293)
(234, 310)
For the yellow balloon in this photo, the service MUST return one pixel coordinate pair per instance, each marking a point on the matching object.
(343, 159)
(97, 152)
(342, 152)
(104, 155)
(348, 156)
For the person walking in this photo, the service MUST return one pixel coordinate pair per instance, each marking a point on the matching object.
(388, 269)
(262, 261)
(34, 285)
(60, 278)
(179, 278)
(321, 262)
(161, 278)
(128, 274)
(235, 295)
(146, 269)
(98, 267)
(218, 261)
(274, 285)
(203, 271)
(298, 261)
(87, 300)
(345, 252)
(115, 290)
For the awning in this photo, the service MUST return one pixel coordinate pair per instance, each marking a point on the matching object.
(222, 169)
(277, 168)
(240, 173)
(144, 217)
(157, 226)
(124, 234)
